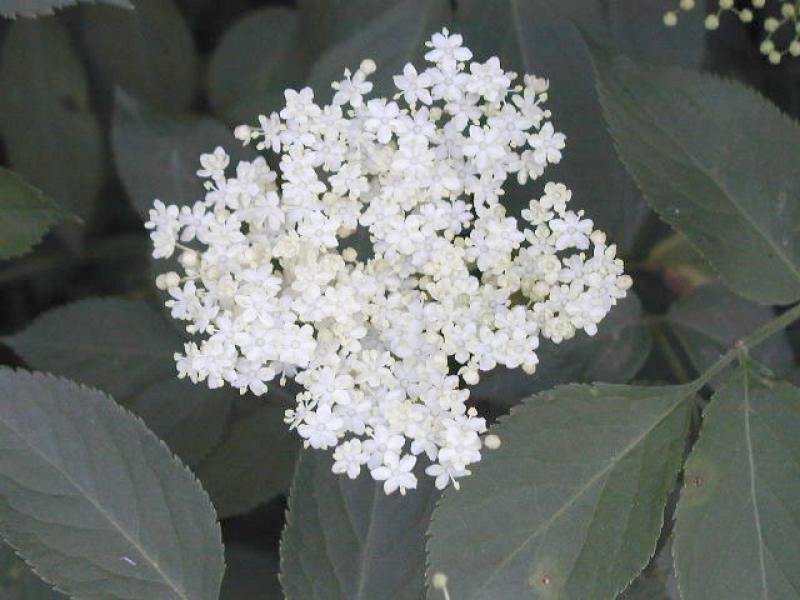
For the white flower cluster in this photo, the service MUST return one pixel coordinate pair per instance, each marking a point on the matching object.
(385, 342)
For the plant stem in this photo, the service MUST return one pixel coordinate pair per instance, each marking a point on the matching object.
(672, 358)
(748, 342)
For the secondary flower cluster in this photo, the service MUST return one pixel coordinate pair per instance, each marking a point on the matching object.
(384, 339)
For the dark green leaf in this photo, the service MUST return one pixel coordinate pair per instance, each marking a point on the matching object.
(614, 355)
(255, 459)
(250, 575)
(121, 346)
(328, 22)
(257, 58)
(27, 214)
(347, 540)
(149, 51)
(392, 39)
(158, 156)
(582, 478)
(19, 582)
(676, 256)
(683, 136)
(710, 319)
(189, 417)
(737, 531)
(657, 581)
(38, 8)
(51, 137)
(95, 502)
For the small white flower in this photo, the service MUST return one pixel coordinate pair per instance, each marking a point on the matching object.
(396, 473)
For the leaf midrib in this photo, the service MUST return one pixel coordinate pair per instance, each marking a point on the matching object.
(752, 480)
(103, 512)
(582, 490)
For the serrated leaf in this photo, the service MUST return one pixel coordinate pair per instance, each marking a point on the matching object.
(126, 347)
(121, 346)
(737, 531)
(682, 136)
(582, 477)
(50, 134)
(347, 540)
(38, 8)
(157, 156)
(392, 39)
(149, 51)
(95, 502)
(710, 319)
(242, 83)
(19, 582)
(255, 459)
(614, 355)
(26, 214)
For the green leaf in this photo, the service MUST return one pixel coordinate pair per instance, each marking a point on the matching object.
(347, 540)
(737, 531)
(255, 459)
(149, 51)
(242, 83)
(19, 582)
(38, 8)
(710, 319)
(189, 417)
(615, 354)
(121, 346)
(126, 347)
(158, 156)
(657, 581)
(328, 22)
(51, 137)
(250, 575)
(683, 137)
(582, 477)
(95, 502)
(392, 39)
(27, 214)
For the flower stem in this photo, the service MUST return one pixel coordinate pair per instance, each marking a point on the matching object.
(748, 342)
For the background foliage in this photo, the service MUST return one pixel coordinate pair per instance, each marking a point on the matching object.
(105, 106)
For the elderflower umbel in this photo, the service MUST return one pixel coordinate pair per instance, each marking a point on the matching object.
(384, 341)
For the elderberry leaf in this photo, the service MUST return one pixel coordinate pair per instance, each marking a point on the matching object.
(737, 530)
(95, 502)
(582, 476)
(39, 8)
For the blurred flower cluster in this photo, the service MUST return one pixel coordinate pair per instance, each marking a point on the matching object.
(386, 339)
(785, 23)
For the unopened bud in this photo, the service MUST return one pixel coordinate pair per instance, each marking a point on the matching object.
(492, 441)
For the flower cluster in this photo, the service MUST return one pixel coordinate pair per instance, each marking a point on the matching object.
(786, 21)
(385, 339)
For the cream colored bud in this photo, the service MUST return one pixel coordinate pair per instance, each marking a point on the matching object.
(598, 238)
(349, 254)
(687, 4)
(771, 24)
(188, 259)
(788, 10)
(712, 22)
(492, 442)
(745, 15)
(368, 66)
(775, 57)
(439, 580)
(172, 279)
(470, 376)
(670, 18)
(794, 48)
(726, 4)
(624, 282)
(766, 47)
(243, 133)
(758, 3)
(160, 283)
